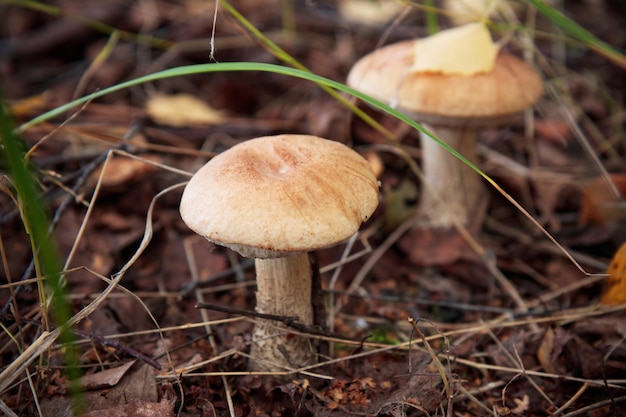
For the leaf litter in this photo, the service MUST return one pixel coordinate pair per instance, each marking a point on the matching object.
(129, 255)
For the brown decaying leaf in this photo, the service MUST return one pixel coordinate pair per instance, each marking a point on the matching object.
(120, 170)
(438, 246)
(545, 350)
(599, 204)
(556, 131)
(551, 347)
(29, 105)
(562, 273)
(127, 391)
(106, 378)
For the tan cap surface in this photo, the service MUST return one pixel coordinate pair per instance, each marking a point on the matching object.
(276, 195)
(456, 100)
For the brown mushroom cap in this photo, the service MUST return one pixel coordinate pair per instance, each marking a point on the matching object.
(279, 195)
(455, 100)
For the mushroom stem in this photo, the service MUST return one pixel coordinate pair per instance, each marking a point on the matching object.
(284, 289)
(454, 190)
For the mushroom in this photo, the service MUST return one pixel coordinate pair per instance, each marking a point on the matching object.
(452, 103)
(460, 12)
(275, 198)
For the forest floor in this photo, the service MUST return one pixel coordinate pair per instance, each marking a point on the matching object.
(514, 324)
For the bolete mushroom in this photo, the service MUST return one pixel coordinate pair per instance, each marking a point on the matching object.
(454, 82)
(460, 12)
(274, 199)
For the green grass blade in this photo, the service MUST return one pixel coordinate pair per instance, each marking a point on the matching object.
(245, 66)
(432, 22)
(44, 248)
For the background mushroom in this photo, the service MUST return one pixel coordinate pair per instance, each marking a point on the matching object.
(455, 84)
(460, 12)
(275, 198)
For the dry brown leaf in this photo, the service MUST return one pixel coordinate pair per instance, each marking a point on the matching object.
(190, 364)
(561, 272)
(107, 378)
(182, 110)
(29, 105)
(544, 353)
(599, 204)
(121, 170)
(615, 291)
(556, 131)
(437, 246)
(137, 386)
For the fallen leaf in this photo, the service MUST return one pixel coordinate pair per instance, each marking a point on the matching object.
(585, 360)
(120, 170)
(615, 291)
(107, 378)
(190, 364)
(436, 246)
(182, 110)
(29, 105)
(138, 385)
(562, 273)
(126, 392)
(544, 353)
(561, 338)
(557, 131)
(599, 203)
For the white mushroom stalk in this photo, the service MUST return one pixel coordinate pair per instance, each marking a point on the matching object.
(283, 289)
(455, 191)
(274, 199)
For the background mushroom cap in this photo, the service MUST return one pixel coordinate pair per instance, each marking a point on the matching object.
(454, 100)
(278, 195)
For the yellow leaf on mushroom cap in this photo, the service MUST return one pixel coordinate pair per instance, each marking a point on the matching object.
(465, 50)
